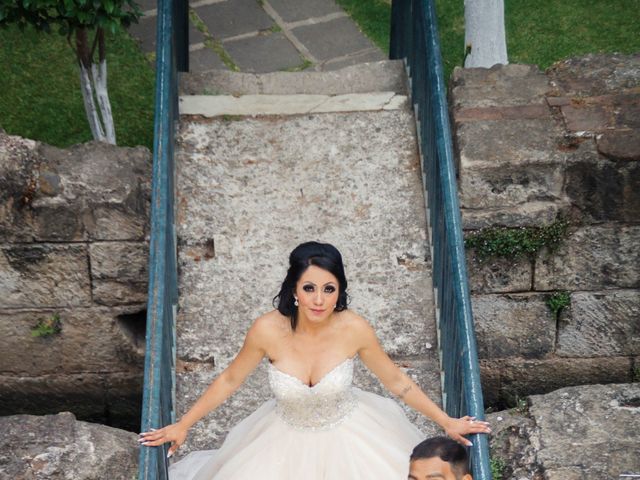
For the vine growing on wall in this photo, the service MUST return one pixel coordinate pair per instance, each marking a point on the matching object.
(47, 326)
(558, 301)
(512, 243)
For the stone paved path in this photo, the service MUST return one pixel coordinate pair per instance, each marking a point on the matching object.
(266, 35)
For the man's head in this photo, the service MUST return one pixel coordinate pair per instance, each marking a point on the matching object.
(439, 458)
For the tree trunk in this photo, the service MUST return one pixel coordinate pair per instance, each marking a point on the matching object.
(99, 71)
(83, 53)
(484, 37)
(93, 84)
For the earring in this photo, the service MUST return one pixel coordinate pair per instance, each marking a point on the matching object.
(296, 302)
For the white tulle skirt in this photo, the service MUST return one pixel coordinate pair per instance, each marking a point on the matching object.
(373, 443)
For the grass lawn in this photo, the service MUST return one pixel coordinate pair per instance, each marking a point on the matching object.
(540, 33)
(373, 17)
(41, 96)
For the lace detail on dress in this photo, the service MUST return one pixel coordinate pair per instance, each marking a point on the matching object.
(323, 406)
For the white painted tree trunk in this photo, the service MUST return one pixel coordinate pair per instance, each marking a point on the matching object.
(484, 37)
(86, 86)
(100, 85)
(94, 86)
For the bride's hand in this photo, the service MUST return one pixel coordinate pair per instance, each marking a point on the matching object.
(173, 433)
(457, 427)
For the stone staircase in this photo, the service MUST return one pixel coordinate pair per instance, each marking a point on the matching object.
(265, 162)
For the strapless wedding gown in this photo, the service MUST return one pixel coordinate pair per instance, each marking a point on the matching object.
(330, 431)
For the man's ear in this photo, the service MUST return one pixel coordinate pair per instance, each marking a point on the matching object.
(467, 477)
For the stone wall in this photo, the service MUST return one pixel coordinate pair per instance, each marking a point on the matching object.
(586, 432)
(533, 146)
(73, 229)
(58, 447)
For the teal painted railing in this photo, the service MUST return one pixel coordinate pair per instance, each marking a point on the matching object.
(414, 38)
(159, 367)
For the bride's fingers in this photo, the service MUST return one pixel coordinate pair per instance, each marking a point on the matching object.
(479, 427)
(461, 440)
(172, 450)
(153, 440)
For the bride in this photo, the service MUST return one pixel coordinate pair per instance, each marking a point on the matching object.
(318, 426)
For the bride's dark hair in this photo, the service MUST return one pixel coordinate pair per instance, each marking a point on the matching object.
(322, 255)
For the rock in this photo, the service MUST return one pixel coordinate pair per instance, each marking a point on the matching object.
(382, 76)
(50, 194)
(93, 365)
(19, 161)
(620, 145)
(506, 380)
(602, 189)
(528, 214)
(72, 230)
(582, 433)
(499, 85)
(594, 257)
(113, 398)
(91, 339)
(119, 272)
(601, 324)
(511, 439)
(498, 275)
(595, 74)
(515, 325)
(58, 447)
(508, 163)
(43, 275)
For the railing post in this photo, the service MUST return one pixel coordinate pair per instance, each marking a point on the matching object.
(415, 38)
(181, 25)
(158, 403)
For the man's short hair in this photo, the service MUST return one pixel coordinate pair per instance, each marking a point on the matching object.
(447, 450)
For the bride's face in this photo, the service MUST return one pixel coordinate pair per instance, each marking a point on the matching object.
(317, 293)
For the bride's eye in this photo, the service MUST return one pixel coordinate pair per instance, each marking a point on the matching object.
(329, 289)
(308, 288)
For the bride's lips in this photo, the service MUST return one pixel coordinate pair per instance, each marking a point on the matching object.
(316, 310)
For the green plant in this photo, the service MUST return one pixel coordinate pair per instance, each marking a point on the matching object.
(516, 242)
(558, 301)
(212, 43)
(231, 118)
(635, 374)
(47, 326)
(40, 89)
(522, 406)
(497, 467)
(84, 24)
(306, 63)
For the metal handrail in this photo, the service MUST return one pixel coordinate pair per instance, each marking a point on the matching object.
(414, 38)
(159, 368)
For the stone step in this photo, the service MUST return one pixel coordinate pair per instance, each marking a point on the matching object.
(249, 189)
(252, 105)
(382, 76)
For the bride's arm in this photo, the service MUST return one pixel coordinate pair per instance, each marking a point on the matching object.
(219, 390)
(399, 383)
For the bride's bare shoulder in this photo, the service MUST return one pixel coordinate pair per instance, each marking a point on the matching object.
(353, 322)
(270, 323)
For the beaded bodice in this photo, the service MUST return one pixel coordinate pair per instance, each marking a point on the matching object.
(322, 406)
